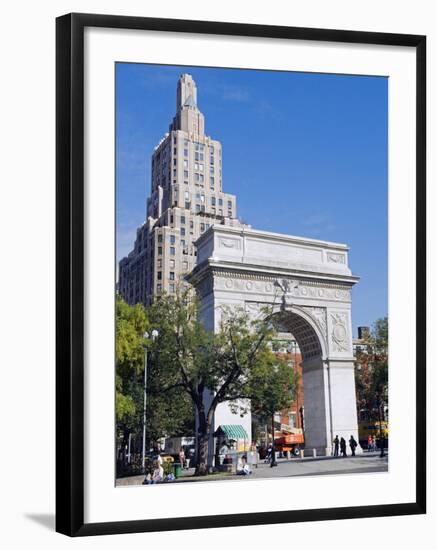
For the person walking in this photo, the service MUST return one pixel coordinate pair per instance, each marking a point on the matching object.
(369, 443)
(343, 446)
(373, 443)
(336, 444)
(269, 454)
(353, 444)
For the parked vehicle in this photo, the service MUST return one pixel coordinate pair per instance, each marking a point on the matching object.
(292, 442)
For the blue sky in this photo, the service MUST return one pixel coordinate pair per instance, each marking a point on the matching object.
(316, 168)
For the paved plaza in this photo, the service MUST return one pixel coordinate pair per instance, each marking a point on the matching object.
(361, 464)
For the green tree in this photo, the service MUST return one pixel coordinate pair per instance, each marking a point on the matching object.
(210, 368)
(372, 370)
(168, 412)
(273, 387)
(131, 323)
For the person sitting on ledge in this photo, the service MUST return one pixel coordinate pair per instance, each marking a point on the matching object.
(156, 477)
(243, 468)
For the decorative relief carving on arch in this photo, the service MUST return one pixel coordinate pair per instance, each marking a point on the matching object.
(318, 314)
(294, 288)
(339, 332)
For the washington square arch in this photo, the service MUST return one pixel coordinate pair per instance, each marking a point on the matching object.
(307, 284)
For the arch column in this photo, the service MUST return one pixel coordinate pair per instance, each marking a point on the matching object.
(341, 384)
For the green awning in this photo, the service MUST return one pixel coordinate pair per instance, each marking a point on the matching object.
(232, 431)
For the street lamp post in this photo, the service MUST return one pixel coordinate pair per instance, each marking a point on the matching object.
(381, 434)
(273, 461)
(155, 334)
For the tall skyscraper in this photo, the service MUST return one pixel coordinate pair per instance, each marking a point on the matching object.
(186, 198)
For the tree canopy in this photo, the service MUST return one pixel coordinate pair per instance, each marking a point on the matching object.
(212, 368)
(372, 368)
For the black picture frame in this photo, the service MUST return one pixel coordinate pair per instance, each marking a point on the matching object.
(70, 273)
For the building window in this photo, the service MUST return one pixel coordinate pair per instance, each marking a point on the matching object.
(185, 266)
(171, 263)
(159, 288)
(230, 213)
(185, 173)
(185, 163)
(174, 173)
(185, 152)
(191, 224)
(171, 276)
(229, 204)
(159, 275)
(183, 219)
(159, 250)
(197, 207)
(220, 202)
(185, 142)
(211, 182)
(160, 238)
(159, 263)
(187, 205)
(182, 231)
(174, 149)
(182, 243)
(172, 251)
(213, 201)
(171, 287)
(172, 239)
(202, 227)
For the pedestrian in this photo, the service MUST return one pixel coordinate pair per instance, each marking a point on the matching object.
(269, 454)
(336, 443)
(343, 446)
(224, 449)
(353, 444)
(373, 442)
(369, 443)
(182, 458)
(243, 468)
(157, 475)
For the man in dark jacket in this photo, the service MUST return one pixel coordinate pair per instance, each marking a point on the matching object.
(343, 446)
(353, 445)
(336, 444)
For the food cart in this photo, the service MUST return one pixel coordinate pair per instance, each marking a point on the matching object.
(232, 442)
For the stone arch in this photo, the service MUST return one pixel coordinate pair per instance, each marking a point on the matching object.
(311, 341)
(307, 284)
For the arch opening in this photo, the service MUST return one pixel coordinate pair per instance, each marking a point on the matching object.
(305, 335)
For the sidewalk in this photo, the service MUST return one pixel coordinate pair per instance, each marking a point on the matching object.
(308, 466)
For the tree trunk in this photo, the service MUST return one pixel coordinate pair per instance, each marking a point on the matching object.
(202, 464)
(202, 443)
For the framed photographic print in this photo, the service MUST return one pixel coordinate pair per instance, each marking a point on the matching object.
(240, 274)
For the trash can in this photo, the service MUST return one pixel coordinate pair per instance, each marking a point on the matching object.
(177, 470)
